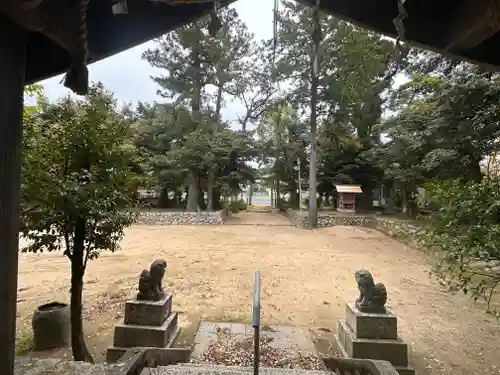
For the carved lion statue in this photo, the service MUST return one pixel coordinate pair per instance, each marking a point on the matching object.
(151, 281)
(372, 297)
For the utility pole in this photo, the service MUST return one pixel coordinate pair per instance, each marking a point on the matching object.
(300, 186)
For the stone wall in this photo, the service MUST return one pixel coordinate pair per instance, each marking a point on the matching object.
(181, 218)
(401, 230)
(490, 267)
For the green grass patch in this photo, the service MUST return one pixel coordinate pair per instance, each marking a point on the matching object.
(24, 343)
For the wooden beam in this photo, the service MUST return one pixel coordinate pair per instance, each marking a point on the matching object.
(12, 70)
(33, 16)
(474, 21)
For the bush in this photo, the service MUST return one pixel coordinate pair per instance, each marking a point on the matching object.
(463, 233)
(237, 206)
(306, 202)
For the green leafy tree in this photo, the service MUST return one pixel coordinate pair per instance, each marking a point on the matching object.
(183, 56)
(465, 235)
(228, 56)
(76, 178)
(194, 63)
(283, 141)
(402, 156)
(31, 93)
(173, 148)
(444, 127)
(352, 68)
(158, 127)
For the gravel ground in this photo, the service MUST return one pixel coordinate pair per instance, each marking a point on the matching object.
(307, 277)
(229, 350)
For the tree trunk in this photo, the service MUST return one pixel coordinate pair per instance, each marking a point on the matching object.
(272, 193)
(163, 202)
(12, 68)
(210, 191)
(294, 195)
(177, 198)
(278, 195)
(216, 199)
(192, 201)
(196, 98)
(201, 197)
(250, 193)
(474, 172)
(192, 196)
(391, 199)
(80, 352)
(313, 204)
(218, 103)
(211, 172)
(409, 204)
(367, 198)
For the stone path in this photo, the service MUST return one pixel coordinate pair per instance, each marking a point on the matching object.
(286, 337)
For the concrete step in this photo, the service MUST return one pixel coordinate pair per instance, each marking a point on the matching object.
(204, 369)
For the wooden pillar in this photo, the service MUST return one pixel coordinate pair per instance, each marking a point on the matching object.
(12, 70)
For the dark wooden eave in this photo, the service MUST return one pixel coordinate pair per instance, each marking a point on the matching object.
(467, 29)
(464, 29)
(108, 34)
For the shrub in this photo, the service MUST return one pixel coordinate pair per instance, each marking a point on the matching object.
(237, 206)
(463, 233)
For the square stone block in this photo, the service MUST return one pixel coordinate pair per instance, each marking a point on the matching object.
(393, 351)
(113, 354)
(371, 326)
(148, 313)
(128, 335)
(405, 370)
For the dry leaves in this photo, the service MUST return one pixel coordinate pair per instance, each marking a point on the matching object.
(112, 300)
(230, 350)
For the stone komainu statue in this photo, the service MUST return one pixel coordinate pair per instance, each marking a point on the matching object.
(372, 297)
(151, 282)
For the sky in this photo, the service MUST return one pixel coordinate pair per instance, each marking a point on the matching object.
(128, 76)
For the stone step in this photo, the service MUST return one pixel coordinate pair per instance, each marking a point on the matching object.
(205, 369)
(393, 351)
(131, 335)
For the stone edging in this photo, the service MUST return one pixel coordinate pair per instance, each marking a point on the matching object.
(399, 229)
(181, 218)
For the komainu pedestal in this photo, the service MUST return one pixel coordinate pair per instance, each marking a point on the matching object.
(149, 320)
(372, 335)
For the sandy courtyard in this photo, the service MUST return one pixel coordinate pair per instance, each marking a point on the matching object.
(307, 276)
